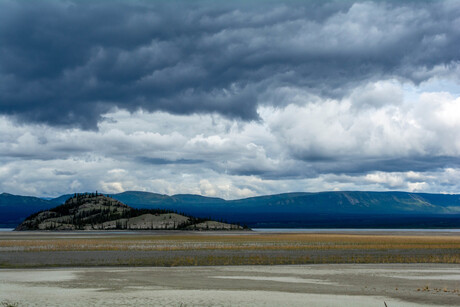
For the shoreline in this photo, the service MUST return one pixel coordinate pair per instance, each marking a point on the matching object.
(253, 231)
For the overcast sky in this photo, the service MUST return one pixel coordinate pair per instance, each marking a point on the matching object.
(229, 98)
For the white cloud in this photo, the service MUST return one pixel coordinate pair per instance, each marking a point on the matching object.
(405, 138)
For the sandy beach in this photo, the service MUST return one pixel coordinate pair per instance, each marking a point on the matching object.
(295, 285)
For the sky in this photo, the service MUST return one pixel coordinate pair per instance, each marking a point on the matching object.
(229, 98)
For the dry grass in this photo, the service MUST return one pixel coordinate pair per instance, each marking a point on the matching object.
(287, 248)
(234, 242)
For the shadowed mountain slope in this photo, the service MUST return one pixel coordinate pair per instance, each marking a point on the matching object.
(14, 208)
(325, 209)
(354, 209)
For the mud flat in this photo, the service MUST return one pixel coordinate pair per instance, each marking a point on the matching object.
(285, 285)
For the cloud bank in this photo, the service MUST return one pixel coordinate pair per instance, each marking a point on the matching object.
(229, 99)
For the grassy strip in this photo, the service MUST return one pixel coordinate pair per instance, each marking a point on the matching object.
(212, 260)
(314, 248)
(249, 242)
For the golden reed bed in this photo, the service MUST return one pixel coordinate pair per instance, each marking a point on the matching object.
(229, 249)
(233, 242)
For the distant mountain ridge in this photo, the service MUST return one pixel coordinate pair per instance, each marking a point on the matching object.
(323, 209)
(15, 208)
(348, 209)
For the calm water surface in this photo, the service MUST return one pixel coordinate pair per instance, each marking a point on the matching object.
(312, 230)
(352, 230)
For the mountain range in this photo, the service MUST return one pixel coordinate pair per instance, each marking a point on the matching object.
(350, 209)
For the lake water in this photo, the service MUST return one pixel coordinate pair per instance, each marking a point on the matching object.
(352, 230)
(306, 230)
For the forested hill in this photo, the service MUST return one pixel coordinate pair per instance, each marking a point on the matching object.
(93, 211)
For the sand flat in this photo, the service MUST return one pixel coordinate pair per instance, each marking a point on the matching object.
(278, 279)
(340, 285)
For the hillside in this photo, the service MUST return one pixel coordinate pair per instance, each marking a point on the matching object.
(99, 212)
(15, 208)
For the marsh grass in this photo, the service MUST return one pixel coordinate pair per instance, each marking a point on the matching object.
(237, 242)
(287, 248)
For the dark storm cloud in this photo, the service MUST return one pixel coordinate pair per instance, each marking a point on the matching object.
(160, 161)
(354, 166)
(64, 173)
(67, 63)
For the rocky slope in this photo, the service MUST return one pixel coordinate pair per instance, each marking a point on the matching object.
(99, 212)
